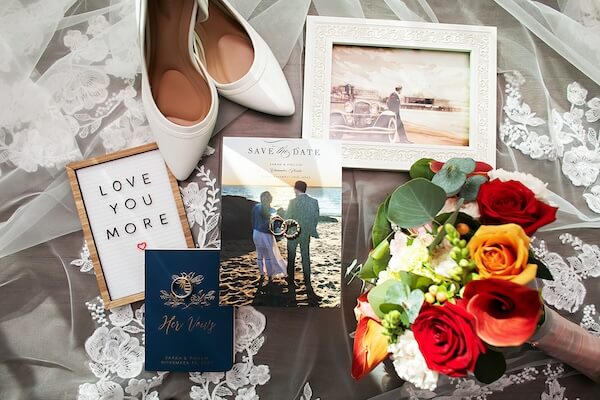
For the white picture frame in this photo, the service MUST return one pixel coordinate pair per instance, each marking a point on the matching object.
(323, 33)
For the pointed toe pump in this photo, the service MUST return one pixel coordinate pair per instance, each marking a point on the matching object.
(240, 62)
(179, 97)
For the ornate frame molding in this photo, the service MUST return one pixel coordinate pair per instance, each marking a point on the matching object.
(480, 41)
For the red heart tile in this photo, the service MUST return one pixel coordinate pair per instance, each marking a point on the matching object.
(142, 245)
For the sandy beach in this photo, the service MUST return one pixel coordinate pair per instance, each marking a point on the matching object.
(240, 278)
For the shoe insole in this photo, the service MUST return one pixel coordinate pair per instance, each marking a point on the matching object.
(227, 48)
(179, 90)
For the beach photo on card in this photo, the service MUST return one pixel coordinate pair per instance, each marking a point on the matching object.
(399, 95)
(264, 184)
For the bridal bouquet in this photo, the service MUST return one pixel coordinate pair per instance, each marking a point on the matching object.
(447, 279)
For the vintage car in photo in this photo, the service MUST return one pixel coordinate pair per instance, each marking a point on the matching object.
(362, 119)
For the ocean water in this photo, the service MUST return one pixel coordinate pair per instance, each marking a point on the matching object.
(330, 199)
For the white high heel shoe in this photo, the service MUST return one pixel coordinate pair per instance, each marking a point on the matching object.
(179, 97)
(240, 62)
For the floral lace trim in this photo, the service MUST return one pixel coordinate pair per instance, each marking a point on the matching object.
(567, 291)
(591, 319)
(243, 379)
(201, 208)
(575, 142)
(467, 389)
(44, 118)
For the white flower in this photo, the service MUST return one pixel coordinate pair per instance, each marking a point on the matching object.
(153, 396)
(410, 364)
(593, 199)
(580, 165)
(79, 89)
(576, 93)
(411, 257)
(198, 393)
(536, 146)
(593, 114)
(247, 394)
(45, 144)
(537, 186)
(102, 390)
(259, 375)
(114, 351)
(194, 201)
(74, 39)
(384, 276)
(469, 207)
(398, 243)
(97, 24)
(207, 377)
(442, 264)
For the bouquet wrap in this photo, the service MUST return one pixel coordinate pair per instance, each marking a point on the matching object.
(564, 340)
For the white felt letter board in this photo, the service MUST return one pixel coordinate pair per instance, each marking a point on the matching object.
(127, 202)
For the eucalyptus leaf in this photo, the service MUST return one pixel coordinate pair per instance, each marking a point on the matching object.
(377, 296)
(490, 366)
(397, 293)
(421, 169)
(415, 203)
(465, 165)
(450, 179)
(414, 303)
(381, 227)
(471, 187)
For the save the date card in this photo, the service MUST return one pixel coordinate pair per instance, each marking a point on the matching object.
(186, 330)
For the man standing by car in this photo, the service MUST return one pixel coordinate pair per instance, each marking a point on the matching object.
(393, 104)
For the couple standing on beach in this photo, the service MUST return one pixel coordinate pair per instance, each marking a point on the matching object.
(305, 210)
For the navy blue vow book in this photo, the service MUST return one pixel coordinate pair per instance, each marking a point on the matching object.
(186, 329)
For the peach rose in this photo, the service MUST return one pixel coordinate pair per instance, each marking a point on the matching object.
(501, 252)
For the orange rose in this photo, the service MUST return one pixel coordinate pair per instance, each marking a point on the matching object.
(501, 252)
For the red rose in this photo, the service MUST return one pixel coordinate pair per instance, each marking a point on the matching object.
(446, 337)
(512, 202)
(506, 313)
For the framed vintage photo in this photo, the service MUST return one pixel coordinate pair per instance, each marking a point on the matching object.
(394, 92)
(127, 201)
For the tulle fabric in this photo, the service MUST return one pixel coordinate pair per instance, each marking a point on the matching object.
(69, 89)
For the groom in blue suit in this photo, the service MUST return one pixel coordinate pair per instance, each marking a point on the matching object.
(305, 210)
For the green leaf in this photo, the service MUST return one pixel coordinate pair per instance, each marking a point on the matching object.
(381, 251)
(415, 203)
(490, 366)
(381, 264)
(415, 281)
(421, 169)
(471, 187)
(387, 307)
(450, 179)
(542, 269)
(377, 296)
(465, 165)
(414, 303)
(450, 220)
(381, 227)
(367, 272)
